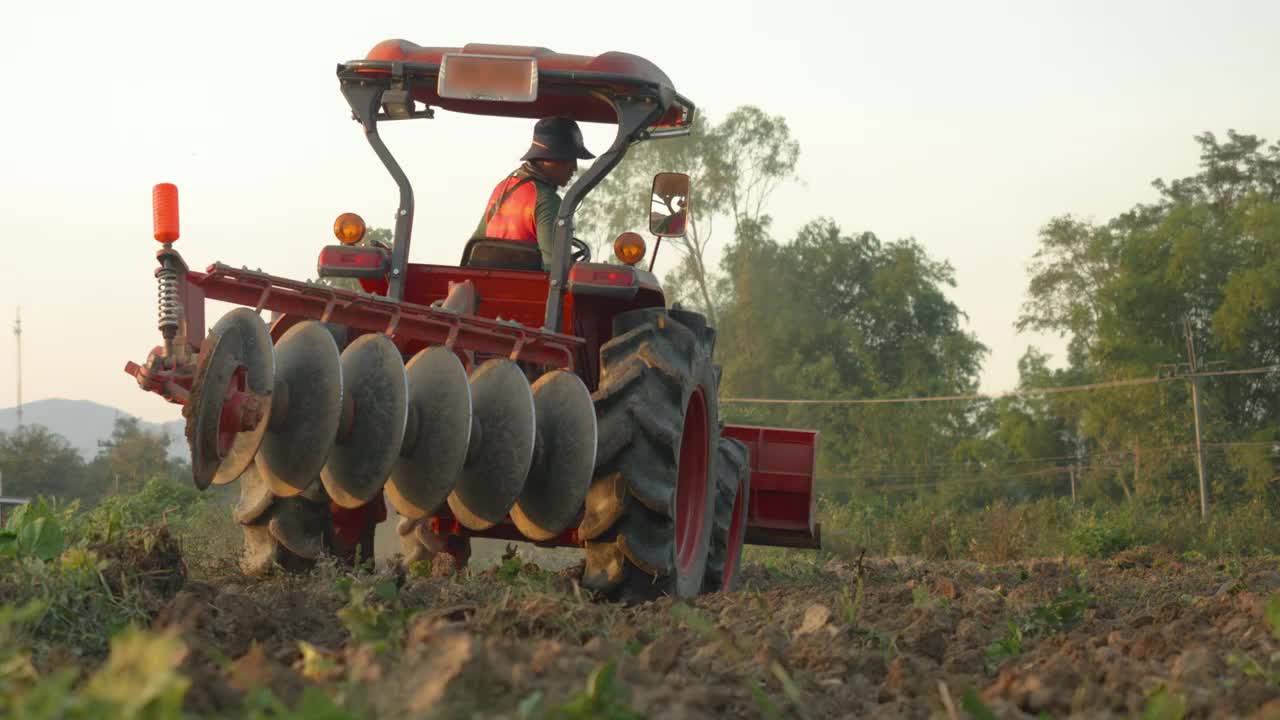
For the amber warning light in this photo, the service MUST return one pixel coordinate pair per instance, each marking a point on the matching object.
(164, 212)
(349, 228)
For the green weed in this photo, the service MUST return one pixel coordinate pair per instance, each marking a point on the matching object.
(604, 698)
(373, 613)
(1164, 705)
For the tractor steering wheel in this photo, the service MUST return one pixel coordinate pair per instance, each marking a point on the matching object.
(581, 251)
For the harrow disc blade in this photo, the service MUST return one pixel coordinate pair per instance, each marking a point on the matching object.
(258, 357)
(300, 526)
(304, 426)
(557, 484)
(498, 460)
(374, 374)
(255, 497)
(216, 370)
(440, 429)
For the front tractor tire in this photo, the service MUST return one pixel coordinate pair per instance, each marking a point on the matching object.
(658, 414)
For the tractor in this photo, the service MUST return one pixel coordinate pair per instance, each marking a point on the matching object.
(564, 406)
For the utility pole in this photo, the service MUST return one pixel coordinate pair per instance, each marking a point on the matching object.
(1072, 469)
(17, 334)
(1192, 370)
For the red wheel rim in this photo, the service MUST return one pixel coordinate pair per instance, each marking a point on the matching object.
(733, 543)
(691, 484)
(232, 419)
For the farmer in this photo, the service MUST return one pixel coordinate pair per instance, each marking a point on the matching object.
(523, 206)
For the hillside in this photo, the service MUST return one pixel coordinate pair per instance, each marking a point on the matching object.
(83, 423)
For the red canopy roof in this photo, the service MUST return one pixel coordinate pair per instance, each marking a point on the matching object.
(556, 72)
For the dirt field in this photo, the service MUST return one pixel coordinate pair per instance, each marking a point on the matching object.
(1140, 635)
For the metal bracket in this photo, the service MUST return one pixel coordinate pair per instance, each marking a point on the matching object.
(518, 347)
(633, 118)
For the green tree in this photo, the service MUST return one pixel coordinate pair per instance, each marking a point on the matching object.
(1208, 249)
(35, 461)
(734, 168)
(133, 455)
(834, 315)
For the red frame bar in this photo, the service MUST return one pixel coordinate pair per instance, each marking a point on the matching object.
(403, 320)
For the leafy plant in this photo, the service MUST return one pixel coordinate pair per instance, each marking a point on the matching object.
(1008, 646)
(851, 605)
(604, 698)
(373, 613)
(140, 680)
(33, 530)
(1098, 538)
(1271, 613)
(1251, 667)
(1063, 613)
(1164, 705)
(922, 598)
(972, 704)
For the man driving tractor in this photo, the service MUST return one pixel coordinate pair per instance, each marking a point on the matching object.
(523, 206)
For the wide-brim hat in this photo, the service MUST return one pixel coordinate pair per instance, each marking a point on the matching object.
(557, 138)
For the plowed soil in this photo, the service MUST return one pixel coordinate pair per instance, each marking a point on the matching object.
(882, 638)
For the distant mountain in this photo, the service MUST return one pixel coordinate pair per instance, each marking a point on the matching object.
(83, 423)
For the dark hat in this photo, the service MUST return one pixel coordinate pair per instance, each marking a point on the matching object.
(557, 138)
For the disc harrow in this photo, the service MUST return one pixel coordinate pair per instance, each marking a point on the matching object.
(302, 415)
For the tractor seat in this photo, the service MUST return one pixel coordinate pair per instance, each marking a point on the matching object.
(502, 254)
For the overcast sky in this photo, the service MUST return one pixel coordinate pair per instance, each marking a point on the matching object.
(965, 125)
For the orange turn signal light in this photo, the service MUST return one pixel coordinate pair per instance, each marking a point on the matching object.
(629, 247)
(349, 228)
(164, 212)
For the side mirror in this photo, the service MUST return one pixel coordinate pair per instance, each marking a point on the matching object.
(669, 213)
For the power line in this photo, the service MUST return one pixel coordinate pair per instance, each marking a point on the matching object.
(997, 396)
(1037, 475)
(938, 469)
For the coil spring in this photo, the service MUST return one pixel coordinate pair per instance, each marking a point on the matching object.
(169, 310)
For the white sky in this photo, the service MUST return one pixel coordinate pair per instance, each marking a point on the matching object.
(967, 125)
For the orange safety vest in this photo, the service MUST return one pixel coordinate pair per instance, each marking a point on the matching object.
(512, 210)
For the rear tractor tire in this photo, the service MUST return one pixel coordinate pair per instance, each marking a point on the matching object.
(648, 522)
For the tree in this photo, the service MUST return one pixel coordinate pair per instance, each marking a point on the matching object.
(834, 315)
(131, 456)
(1209, 250)
(734, 168)
(35, 461)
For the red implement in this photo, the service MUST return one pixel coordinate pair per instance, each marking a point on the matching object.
(783, 461)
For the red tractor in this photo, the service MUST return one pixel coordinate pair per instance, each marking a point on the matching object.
(567, 407)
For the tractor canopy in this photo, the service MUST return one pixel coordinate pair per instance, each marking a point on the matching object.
(512, 81)
(520, 81)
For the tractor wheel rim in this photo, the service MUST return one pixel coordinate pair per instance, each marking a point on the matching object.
(691, 483)
(733, 544)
